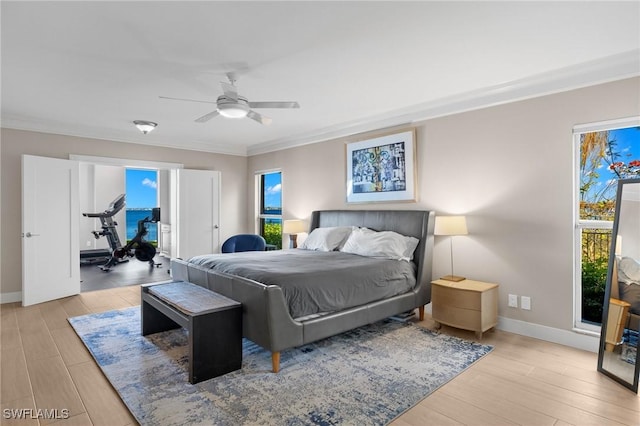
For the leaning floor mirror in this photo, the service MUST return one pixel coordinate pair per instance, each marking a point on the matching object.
(618, 356)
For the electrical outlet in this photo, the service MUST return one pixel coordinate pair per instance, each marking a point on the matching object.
(513, 301)
(88, 243)
(525, 303)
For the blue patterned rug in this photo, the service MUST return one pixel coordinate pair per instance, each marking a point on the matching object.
(366, 376)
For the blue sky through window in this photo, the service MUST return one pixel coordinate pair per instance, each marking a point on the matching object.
(626, 145)
(142, 188)
(273, 190)
(628, 140)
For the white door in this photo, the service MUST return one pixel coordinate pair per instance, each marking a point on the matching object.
(195, 229)
(50, 226)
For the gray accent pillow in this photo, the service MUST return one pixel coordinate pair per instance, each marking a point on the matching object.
(630, 293)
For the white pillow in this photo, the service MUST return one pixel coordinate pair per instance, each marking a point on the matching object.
(326, 239)
(384, 244)
(629, 270)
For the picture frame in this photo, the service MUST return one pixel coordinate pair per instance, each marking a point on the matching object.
(382, 169)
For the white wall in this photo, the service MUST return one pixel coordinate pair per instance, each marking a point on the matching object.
(509, 168)
(629, 227)
(86, 200)
(164, 195)
(99, 186)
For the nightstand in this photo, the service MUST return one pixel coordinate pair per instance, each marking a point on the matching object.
(618, 312)
(470, 305)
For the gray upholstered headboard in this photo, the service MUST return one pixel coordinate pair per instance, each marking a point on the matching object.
(413, 223)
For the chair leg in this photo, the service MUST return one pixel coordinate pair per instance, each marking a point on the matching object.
(275, 361)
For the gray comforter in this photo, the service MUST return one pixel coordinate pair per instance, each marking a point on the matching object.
(318, 282)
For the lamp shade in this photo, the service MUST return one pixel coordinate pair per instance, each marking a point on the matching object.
(293, 227)
(618, 249)
(451, 225)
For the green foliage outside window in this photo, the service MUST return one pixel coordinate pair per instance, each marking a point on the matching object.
(596, 245)
(273, 234)
(594, 278)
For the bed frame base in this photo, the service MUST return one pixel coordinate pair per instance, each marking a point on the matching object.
(275, 356)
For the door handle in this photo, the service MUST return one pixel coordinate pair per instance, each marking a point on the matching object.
(29, 235)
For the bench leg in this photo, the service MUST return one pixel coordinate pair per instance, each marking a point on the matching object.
(215, 344)
(154, 321)
(275, 361)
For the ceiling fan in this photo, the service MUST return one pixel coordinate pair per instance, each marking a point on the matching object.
(232, 105)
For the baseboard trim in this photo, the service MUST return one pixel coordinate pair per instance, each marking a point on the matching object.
(16, 296)
(555, 335)
(573, 338)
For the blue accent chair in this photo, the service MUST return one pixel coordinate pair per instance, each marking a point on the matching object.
(244, 242)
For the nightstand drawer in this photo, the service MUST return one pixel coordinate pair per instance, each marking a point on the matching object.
(452, 297)
(458, 317)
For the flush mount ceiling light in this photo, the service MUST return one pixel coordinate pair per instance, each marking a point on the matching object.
(145, 126)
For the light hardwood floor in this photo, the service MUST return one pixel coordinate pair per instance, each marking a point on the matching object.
(524, 381)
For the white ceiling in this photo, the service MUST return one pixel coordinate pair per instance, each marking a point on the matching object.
(91, 68)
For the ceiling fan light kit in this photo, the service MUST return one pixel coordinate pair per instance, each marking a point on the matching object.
(232, 105)
(233, 109)
(145, 126)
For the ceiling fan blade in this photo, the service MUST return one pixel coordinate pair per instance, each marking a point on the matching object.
(230, 90)
(275, 104)
(207, 117)
(259, 118)
(188, 100)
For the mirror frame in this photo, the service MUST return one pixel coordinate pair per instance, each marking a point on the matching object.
(607, 295)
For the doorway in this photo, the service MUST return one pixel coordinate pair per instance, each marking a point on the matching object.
(141, 189)
(144, 189)
(190, 205)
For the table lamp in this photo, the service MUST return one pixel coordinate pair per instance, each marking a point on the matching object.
(451, 226)
(293, 228)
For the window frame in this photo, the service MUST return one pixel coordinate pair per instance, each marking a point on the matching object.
(260, 216)
(158, 188)
(579, 224)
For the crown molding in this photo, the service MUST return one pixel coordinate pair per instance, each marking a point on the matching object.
(16, 123)
(611, 68)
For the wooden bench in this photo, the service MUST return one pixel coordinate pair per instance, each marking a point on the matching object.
(213, 322)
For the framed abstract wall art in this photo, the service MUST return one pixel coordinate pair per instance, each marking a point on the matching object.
(382, 169)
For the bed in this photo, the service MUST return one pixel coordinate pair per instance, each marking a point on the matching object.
(276, 320)
(626, 274)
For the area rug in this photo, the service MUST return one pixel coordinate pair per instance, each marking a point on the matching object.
(367, 376)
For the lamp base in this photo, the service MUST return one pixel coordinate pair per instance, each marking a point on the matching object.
(454, 278)
(293, 240)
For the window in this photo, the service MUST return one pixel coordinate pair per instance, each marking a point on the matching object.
(605, 152)
(270, 207)
(141, 197)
